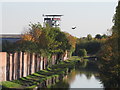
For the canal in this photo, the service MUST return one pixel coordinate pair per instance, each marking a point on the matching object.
(84, 75)
(80, 79)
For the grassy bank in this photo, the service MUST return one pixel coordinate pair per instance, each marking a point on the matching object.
(37, 78)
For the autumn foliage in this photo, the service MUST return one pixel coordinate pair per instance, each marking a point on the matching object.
(46, 39)
(110, 55)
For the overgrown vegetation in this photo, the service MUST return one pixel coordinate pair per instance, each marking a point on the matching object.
(110, 55)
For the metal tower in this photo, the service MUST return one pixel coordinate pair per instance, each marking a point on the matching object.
(52, 20)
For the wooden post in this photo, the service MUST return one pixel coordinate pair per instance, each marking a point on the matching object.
(8, 67)
(15, 66)
(11, 66)
(41, 63)
(3, 60)
(25, 65)
(20, 69)
(33, 63)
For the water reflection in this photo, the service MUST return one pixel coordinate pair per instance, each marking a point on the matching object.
(84, 81)
(80, 79)
(84, 75)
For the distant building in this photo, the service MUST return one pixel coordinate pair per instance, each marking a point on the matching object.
(52, 20)
(9, 37)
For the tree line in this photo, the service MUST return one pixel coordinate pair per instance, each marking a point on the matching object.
(43, 40)
(90, 45)
(110, 55)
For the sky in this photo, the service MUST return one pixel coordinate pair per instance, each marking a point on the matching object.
(89, 16)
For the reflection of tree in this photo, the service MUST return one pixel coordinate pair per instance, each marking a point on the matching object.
(88, 75)
(87, 68)
(82, 64)
(71, 77)
(97, 76)
(67, 80)
(62, 85)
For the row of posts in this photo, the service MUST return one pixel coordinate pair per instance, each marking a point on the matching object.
(21, 64)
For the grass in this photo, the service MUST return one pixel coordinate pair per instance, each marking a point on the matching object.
(9, 84)
(33, 80)
(33, 86)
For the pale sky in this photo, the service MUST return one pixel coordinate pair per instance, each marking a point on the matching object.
(89, 17)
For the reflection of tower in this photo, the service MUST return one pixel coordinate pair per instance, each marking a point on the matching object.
(52, 20)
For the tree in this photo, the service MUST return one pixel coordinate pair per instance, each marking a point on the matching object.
(92, 46)
(116, 27)
(104, 36)
(89, 37)
(98, 36)
(8, 46)
(59, 41)
(48, 39)
(82, 52)
(110, 54)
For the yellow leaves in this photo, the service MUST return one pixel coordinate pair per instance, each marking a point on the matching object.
(37, 33)
(107, 53)
(110, 49)
(32, 36)
(47, 38)
(27, 37)
(72, 39)
(103, 40)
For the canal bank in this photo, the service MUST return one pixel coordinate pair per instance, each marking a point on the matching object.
(43, 78)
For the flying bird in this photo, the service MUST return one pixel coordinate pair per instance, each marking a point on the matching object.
(73, 27)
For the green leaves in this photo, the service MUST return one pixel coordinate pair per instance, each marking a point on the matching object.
(110, 54)
(47, 39)
(92, 46)
(82, 53)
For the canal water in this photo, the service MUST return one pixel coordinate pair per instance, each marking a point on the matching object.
(81, 77)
